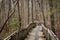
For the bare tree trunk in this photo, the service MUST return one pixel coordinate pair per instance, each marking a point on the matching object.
(52, 16)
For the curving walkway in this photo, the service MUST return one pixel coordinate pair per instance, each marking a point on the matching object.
(36, 34)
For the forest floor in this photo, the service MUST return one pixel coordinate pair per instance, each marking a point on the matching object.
(13, 26)
(6, 33)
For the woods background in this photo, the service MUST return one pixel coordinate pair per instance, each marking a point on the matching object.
(20, 13)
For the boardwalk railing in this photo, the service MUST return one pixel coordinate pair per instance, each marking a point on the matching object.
(49, 34)
(9, 37)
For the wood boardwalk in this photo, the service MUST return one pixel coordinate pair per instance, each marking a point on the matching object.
(36, 34)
